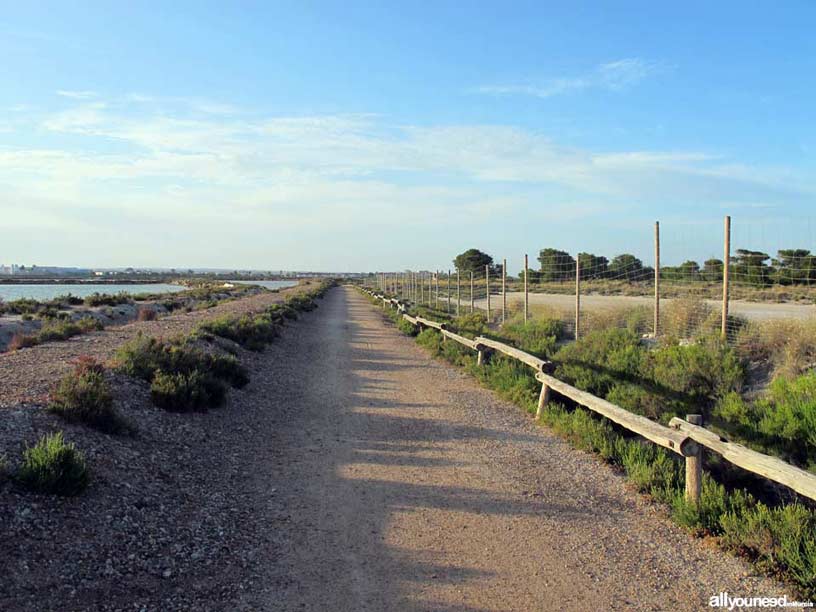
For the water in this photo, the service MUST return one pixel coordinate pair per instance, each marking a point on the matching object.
(267, 284)
(47, 292)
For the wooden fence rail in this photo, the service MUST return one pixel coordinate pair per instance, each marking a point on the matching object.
(682, 437)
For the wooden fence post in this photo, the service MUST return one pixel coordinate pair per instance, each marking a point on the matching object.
(726, 276)
(448, 309)
(436, 280)
(657, 280)
(694, 466)
(577, 295)
(430, 289)
(543, 399)
(480, 360)
(458, 292)
(472, 307)
(526, 291)
(487, 291)
(504, 290)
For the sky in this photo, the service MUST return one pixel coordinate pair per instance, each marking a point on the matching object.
(351, 136)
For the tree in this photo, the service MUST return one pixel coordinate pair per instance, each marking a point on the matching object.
(795, 266)
(626, 266)
(593, 266)
(713, 269)
(472, 260)
(556, 265)
(750, 267)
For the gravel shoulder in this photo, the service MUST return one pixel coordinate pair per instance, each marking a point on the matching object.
(352, 473)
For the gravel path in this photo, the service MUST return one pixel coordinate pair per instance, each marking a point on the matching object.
(353, 473)
(26, 375)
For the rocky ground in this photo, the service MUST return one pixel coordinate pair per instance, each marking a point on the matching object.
(352, 473)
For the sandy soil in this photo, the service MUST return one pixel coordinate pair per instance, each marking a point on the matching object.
(353, 473)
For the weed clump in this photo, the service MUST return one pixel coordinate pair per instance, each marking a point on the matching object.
(186, 392)
(182, 377)
(53, 466)
(85, 397)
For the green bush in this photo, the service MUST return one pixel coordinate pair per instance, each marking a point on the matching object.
(406, 327)
(63, 330)
(53, 466)
(253, 333)
(180, 392)
(538, 336)
(471, 325)
(84, 396)
(782, 421)
(105, 299)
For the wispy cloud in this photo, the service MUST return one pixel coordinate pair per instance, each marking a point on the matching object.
(76, 95)
(610, 76)
(135, 163)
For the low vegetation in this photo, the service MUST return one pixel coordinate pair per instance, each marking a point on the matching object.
(84, 396)
(173, 368)
(53, 466)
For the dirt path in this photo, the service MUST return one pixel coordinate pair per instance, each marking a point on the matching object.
(353, 473)
(407, 487)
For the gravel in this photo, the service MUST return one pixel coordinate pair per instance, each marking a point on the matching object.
(352, 473)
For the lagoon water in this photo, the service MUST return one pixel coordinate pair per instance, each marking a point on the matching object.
(81, 290)
(47, 292)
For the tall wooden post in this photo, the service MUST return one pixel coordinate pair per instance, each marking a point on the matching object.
(448, 309)
(577, 295)
(430, 289)
(487, 291)
(458, 293)
(472, 309)
(657, 280)
(504, 290)
(694, 466)
(726, 276)
(421, 288)
(526, 291)
(436, 280)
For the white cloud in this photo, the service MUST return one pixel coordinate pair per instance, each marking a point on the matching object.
(611, 76)
(76, 95)
(126, 164)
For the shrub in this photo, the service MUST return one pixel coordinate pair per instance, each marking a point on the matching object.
(84, 396)
(53, 466)
(63, 330)
(194, 391)
(406, 327)
(538, 336)
(472, 325)
(253, 333)
(105, 299)
(188, 378)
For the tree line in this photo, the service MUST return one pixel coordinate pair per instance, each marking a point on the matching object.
(789, 267)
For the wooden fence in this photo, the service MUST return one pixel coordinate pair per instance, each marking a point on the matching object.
(687, 437)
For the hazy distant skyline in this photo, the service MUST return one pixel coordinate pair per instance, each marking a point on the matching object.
(351, 136)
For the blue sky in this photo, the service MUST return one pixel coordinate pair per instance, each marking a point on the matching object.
(356, 135)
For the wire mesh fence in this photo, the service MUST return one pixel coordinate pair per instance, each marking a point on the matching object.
(738, 293)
